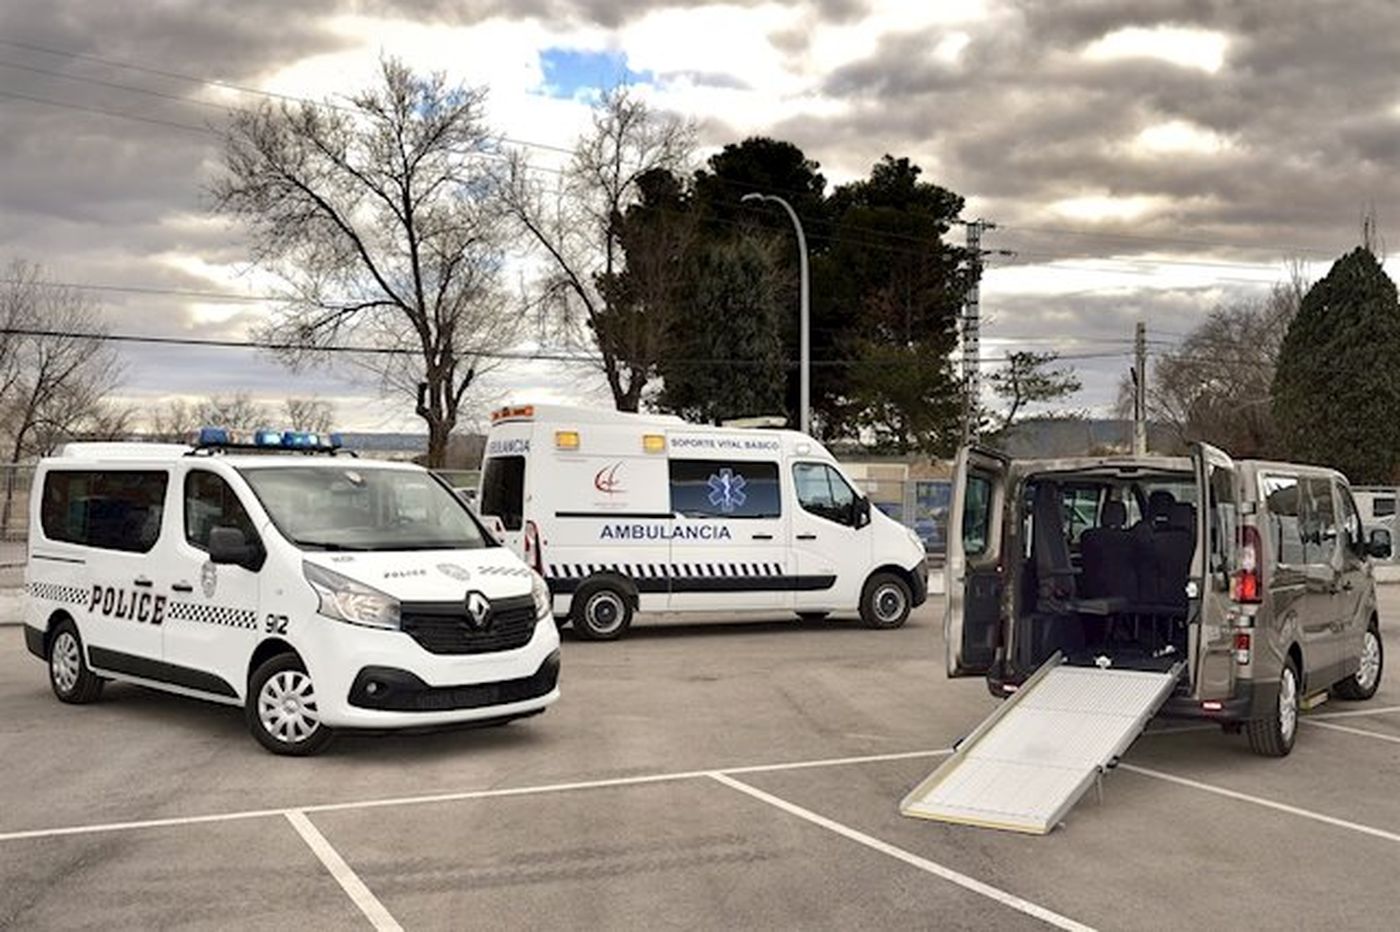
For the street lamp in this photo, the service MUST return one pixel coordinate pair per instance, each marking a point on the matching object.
(805, 339)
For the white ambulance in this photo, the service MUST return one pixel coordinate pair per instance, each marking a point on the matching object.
(628, 512)
(317, 591)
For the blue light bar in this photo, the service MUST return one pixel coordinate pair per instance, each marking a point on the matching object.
(267, 438)
(336, 441)
(300, 439)
(212, 436)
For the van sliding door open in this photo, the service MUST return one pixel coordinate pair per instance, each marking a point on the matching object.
(973, 576)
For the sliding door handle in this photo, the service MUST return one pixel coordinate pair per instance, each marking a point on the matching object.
(141, 582)
(763, 537)
(806, 537)
(182, 587)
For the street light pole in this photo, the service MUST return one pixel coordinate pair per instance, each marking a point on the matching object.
(805, 335)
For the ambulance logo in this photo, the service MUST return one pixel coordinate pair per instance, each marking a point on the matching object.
(606, 481)
(727, 490)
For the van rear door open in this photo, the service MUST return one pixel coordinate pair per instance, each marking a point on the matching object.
(1217, 534)
(973, 572)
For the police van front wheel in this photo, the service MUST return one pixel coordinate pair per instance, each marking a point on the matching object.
(600, 613)
(69, 675)
(282, 709)
(885, 602)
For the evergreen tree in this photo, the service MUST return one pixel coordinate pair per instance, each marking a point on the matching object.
(1336, 392)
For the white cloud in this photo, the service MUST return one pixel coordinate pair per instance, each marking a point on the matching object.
(1188, 48)
(1097, 207)
(1179, 137)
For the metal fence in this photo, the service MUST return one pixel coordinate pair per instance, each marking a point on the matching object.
(15, 482)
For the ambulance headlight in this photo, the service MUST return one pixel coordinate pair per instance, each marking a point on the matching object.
(544, 602)
(346, 600)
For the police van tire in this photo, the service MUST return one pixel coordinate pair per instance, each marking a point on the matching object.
(1274, 735)
(885, 601)
(600, 612)
(1362, 684)
(281, 708)
(69, 675)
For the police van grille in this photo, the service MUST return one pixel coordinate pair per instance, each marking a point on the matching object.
(442, 627)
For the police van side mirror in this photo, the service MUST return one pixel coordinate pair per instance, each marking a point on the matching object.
(860, 512)
(1379, 546)
(228, 546)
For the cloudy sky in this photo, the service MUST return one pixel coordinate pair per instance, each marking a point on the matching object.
(1143, 159)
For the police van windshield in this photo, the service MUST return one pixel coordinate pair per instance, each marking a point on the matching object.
(344, 507)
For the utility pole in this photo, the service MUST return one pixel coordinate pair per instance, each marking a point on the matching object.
(972, 328)
(1140, 390)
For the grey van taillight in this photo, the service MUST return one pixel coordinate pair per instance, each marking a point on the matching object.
(1247, 586)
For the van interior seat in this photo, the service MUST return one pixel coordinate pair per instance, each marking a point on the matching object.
(1107, 556)
(1164, 549)
(1056, 591)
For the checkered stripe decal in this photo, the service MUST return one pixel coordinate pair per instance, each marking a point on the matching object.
(68, 595)
(212, 615)
(503, 571)
(666, 570)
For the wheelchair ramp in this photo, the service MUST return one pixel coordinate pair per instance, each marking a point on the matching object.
(1041, 750)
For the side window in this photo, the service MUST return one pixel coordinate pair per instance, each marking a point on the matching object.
(822, 491)
(722, 489)
(1319, 521)
(1081, 510)
(1223, 518)
(1382, 506)
(211, 503)
(1352, 533)
(1281, 494)
(112, 510)
(977, 515)
(503, 490)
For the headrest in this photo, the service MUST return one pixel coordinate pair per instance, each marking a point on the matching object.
(1182, 516)
(1159, 504)
(1115, 515)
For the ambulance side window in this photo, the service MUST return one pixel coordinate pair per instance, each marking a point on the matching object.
(725, 489)
(209, 503)
(822, 491)
(113, 509)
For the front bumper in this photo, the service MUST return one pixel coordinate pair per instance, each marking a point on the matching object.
(392, 690)
(919, 574)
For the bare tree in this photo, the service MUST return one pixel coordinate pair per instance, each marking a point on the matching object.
(378, 215)
(237, 411)
(578, 226)
(175, 420)
(1216, 386)
(314, 414)
(1029, 378)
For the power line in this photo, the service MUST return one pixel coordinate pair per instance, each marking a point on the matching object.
(114, 85)
(155, 121)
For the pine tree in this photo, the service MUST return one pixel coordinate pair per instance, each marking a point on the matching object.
(1336, 392)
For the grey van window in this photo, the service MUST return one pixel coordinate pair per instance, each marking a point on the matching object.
(1383, 506)
(111, 509)
(977, 515)
(1224, 519)
(1285, 531)
(1320, 531)
(1352, 532)
(503, 490)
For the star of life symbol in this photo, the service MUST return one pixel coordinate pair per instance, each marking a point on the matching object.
(727, 490)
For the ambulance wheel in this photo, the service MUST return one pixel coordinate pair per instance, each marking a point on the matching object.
(600, 613)
(1362, 684)
(1274, 735)
(69, 675)
(281, 708)
(885, 601)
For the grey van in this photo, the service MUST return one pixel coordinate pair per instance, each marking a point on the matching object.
(1254, 578)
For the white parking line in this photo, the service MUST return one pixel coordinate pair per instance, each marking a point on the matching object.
(1354, 713)
(1355, 731)
(344, 875)
(1260, 801)
(465, 795)
(914, 860)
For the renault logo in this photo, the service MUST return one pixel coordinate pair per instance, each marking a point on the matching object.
(478, 612)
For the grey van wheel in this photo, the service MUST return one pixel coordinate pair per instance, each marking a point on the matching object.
(281, 708)
(69, 675)
(1273, 735)
(600, 613)
(1363, 684)
(885, 601)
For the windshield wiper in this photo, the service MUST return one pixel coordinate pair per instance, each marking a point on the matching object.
(328, 545)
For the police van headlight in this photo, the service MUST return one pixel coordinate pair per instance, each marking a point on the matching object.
(346, 600)
(544, 602)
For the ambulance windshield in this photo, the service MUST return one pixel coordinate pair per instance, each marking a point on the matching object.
(349, 507)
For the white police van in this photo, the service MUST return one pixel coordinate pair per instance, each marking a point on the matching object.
(622, 512)
(316, 590)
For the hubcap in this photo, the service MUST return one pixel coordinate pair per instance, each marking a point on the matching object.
(287, 707)
(1287, 704)
(1370, 668)
(889, 602)
(65, 662)
(604, 612)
